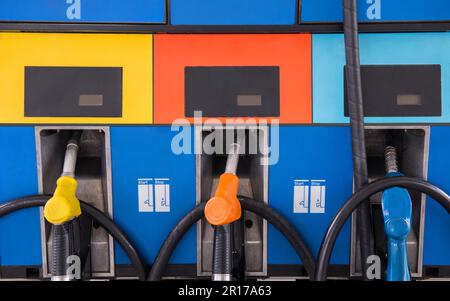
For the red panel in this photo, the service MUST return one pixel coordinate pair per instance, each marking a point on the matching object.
(291, 52)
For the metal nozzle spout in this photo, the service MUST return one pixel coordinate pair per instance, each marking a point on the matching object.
(70, 158)
(233, 157)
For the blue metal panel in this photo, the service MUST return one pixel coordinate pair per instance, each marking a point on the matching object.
(376, 49)
(20, 240)
(233, 12)
(437, 220)
(129, 11)
(145, 152)
(304, 157)
(378, 10)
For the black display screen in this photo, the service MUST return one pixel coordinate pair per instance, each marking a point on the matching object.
(400, 90)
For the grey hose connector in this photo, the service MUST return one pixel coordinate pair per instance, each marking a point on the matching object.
(356, 113)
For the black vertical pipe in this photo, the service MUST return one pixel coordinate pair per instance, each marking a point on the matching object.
(356, 112)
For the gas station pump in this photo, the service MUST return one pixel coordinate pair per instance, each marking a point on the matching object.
(62, 211)
(71, 223)
(105, 113)
(221, 211)
(224, 211)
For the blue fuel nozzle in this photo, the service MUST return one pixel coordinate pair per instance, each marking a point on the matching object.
(397, 212)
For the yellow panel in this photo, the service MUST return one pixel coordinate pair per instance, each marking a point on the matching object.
(132, 52)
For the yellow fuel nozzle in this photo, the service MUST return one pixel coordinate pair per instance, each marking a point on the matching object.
(64, 205)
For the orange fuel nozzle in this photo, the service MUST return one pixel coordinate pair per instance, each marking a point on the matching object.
(224, 208)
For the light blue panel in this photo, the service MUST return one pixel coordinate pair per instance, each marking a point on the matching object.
(305, 157)
(376, 49)
(145, 152)
(119, 11)
(378, 10)
(20, 240)
(437, 220)
(233, 12)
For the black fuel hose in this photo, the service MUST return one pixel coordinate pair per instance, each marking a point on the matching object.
(361, 196)
(99, 217)
(64, 244)
(259, 208)
(356, 113)
(222, 253)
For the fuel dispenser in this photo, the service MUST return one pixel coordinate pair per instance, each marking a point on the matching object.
(69, 243)
(320, 155)
(396, 110)
(221, 211)
(397, 211)
(53, 99)
(62, 211)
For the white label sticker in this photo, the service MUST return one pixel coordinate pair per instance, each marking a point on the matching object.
(162, 195)
(317, 199)
(309, 196)
(301, 196)
(145, 195)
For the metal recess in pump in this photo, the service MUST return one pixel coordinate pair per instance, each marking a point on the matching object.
(244, 175)
(412, 146)
(93, 183)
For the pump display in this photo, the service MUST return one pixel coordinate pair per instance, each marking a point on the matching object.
(224, 140)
